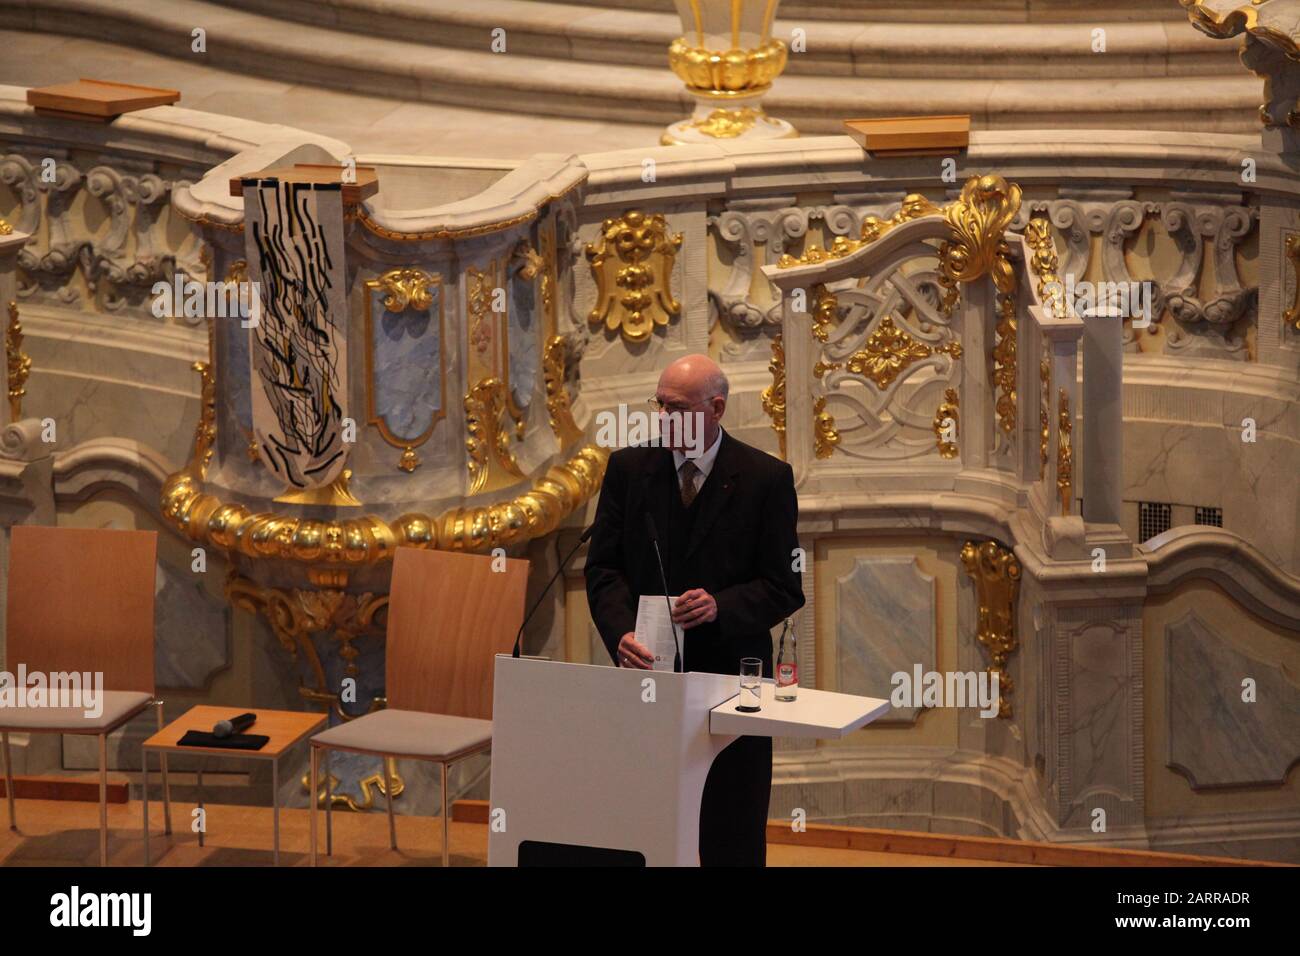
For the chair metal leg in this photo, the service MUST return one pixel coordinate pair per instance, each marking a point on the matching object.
(103, 799)
(9, 778)
(167, 796)
(329, 807)
(446, 830)
(314, 761)
(388, 792)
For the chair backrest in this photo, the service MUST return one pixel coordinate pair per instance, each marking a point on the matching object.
(449, 615)
(82, 599)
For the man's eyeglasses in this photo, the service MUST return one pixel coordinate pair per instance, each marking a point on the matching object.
(673, 407)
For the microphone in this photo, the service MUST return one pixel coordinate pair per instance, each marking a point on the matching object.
(558, 571)
(235, 725)
(654, 540)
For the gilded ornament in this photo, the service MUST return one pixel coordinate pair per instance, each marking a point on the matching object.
(773, 397)
(1043, 263)
(371, 540)
(632, 264)
(205, 432)
(528, 261)
(1064, 453)
(996, 574)
(550, 276)
(825, 312)
(946, 420)
(17, 362)
(728, 124)
(405, 289)
(480, 287)
(889, 351)
(1044, 419)
(336, 494)
(977, 246)
(1225, 20)
(825, 437)
(409, 460)
(487, 442)
(1004, 361)
(557, 397)
(914, 206)
(1292, 315)
(814, 254)
(368, 785)
(727, 72)
(1270, 42)
(296, 613)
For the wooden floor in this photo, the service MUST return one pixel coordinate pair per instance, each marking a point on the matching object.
(65, 833)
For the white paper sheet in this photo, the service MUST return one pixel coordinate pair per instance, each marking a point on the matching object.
(654, 629)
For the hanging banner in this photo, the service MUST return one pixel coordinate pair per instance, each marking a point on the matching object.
(293, 237)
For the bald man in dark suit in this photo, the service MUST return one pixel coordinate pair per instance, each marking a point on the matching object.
(726, 517)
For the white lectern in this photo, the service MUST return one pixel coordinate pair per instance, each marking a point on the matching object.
(607, 765)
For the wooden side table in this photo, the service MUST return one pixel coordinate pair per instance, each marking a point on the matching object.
(286, 728)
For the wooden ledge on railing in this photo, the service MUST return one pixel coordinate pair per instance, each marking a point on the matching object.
(911, 135)
(99, 100)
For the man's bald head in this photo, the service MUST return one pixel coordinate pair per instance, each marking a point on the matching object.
(697, 377)
(694, 384)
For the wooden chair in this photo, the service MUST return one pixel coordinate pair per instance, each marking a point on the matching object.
(449, 615)
(81, 600)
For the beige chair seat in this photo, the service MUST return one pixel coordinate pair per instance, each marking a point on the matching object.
(118, 705)
(409, 733)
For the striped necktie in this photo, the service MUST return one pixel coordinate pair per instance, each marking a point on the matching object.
(688, 471)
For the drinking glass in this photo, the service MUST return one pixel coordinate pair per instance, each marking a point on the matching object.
(751, 684)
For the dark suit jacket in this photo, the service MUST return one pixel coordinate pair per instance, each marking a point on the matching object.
(740, 550)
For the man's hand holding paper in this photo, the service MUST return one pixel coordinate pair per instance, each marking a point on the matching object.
(695, 606)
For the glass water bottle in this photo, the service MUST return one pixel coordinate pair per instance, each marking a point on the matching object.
(787, 665)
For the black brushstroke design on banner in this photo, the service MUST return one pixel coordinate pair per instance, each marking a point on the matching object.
(297, 358)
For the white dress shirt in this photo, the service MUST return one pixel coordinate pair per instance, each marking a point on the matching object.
(704, 463)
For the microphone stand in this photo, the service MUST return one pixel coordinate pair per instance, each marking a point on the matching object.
(654, 540)
(558, 571)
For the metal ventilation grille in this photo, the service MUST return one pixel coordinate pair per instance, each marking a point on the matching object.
(1154, 518)
(1210, 516)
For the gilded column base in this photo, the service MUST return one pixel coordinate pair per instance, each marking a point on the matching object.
(719, 117)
